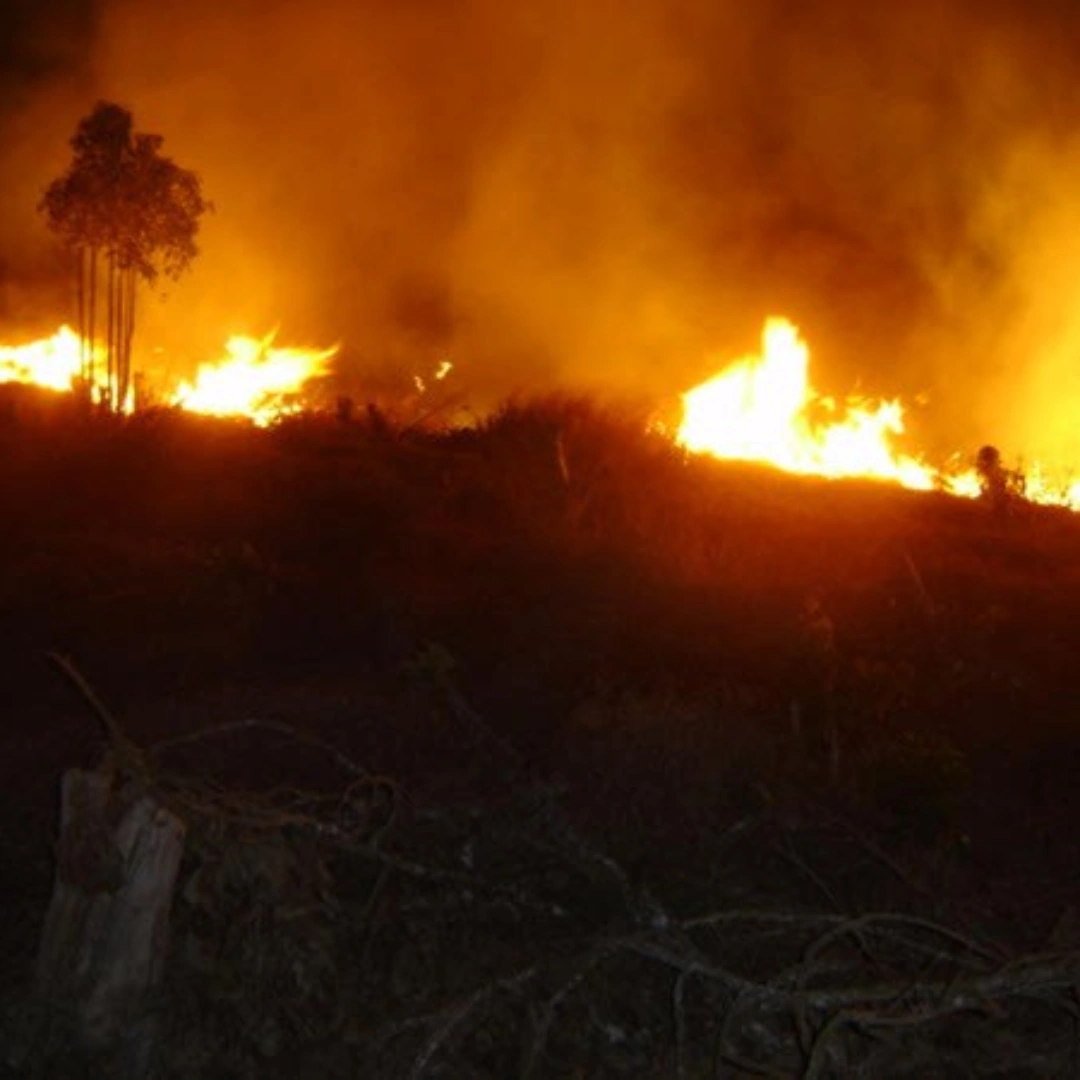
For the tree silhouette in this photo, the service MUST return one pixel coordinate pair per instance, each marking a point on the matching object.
(128, 214)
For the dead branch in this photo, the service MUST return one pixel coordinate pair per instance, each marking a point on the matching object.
(129, 758)
(904, 973)
(452, 1016)
(301, 737)
(875, 919)
(678, 1010)
(1034, 976)
(547, 1012)
(781, 918)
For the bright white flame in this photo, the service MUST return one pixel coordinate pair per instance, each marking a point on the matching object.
(257, 379)
(52, 362)
(757, 410)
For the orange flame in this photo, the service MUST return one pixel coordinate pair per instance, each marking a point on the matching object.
(257, 379)
(52, 362)
(758, 410)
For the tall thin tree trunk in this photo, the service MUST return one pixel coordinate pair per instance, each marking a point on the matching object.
(110, 335)
(118, 339)
(123, 343)
(80, 304)
(131, 284)
(91, 321)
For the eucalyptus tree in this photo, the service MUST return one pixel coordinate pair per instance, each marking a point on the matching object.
(129, 214)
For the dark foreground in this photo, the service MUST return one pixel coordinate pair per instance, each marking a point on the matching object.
(541, 751)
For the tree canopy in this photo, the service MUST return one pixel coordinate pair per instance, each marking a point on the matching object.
(126, 209)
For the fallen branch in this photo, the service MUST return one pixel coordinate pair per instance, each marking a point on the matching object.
(454, 1015)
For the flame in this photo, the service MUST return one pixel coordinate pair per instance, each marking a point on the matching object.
(257, 379)
(759, 409)
(762, 408)
(52, 362)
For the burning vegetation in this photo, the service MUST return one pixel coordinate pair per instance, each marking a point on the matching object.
(257, 379)
(560, 737)
(127, 216)
(761, 408)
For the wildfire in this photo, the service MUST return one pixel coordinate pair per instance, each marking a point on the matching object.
(759, 408)
(763, 408)
(52, 362)
(257, 379)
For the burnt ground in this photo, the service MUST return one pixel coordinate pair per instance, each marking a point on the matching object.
(652, 766)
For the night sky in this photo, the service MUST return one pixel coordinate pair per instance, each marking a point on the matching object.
(610, 193)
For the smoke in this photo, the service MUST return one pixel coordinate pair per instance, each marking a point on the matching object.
(43, 65)
(421, 179)
(614, 194)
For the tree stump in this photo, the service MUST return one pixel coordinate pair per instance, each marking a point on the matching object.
(105, 938)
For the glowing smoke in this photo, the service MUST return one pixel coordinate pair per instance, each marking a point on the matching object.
(613, 193)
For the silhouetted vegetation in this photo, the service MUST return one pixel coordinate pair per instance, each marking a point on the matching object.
(128, 214)
(542, 746)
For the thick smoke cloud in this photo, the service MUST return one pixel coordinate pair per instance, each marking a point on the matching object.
(614, 194)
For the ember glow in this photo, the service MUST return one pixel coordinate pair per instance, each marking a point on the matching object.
(444, 369)
(257, 379)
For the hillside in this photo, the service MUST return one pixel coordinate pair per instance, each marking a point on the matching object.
(616, 675)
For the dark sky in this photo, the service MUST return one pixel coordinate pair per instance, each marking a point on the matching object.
(606, 192)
